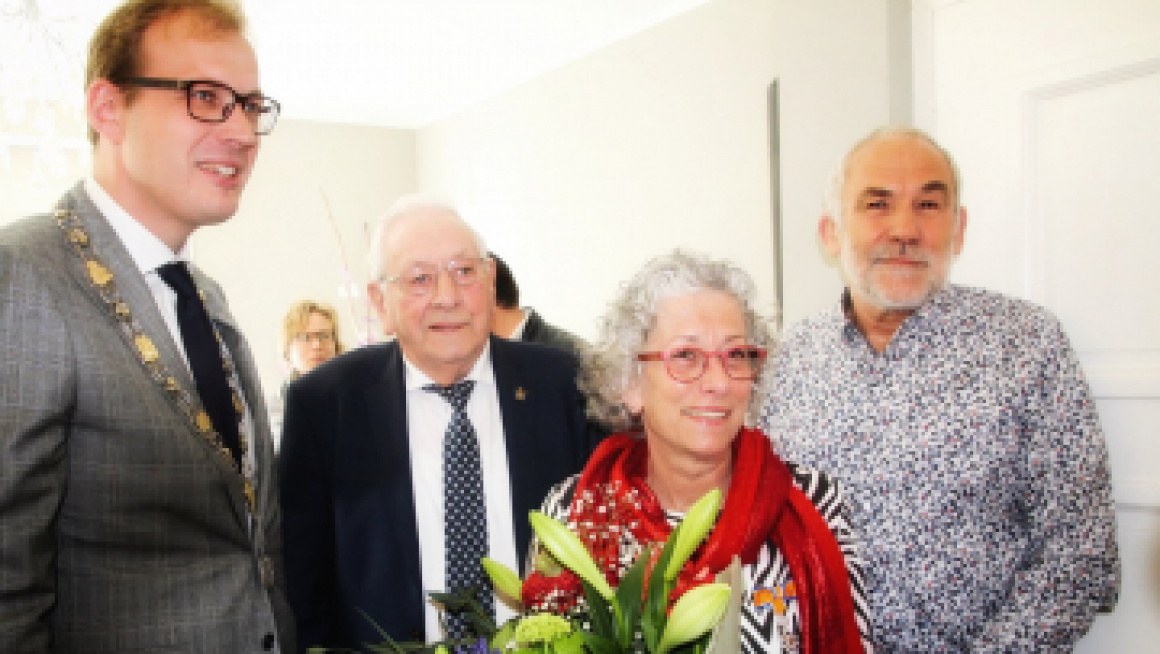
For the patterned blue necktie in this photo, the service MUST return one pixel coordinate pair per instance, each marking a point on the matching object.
(464, 515)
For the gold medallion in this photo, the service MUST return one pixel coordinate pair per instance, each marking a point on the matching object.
(98, 273)
(78, 236)
(203, 421)
(145, 346)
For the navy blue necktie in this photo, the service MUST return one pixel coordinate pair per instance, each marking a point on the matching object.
(464, 512)
(204, 354)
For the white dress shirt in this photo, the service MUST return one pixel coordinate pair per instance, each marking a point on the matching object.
(148, 252)
(428, 415)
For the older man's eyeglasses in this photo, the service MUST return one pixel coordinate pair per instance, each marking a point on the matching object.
(214, 102)
(422, 278)
(686, 364)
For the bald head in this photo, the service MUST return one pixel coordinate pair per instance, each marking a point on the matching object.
(841, 175)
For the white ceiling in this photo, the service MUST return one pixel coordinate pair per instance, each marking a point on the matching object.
(401, 63)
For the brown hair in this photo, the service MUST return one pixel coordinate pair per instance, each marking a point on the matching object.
(295, 322)
(115, 49)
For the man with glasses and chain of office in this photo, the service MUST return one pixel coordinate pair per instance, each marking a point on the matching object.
(403, 463)
(137, 490)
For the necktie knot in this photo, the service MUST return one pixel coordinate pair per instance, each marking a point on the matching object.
(177, 276)
(457, 394)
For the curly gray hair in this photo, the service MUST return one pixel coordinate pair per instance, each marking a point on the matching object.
(609, 367)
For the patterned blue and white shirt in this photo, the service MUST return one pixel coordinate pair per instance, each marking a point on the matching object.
(974, 466)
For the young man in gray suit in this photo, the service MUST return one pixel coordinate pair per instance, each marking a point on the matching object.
(137, 498)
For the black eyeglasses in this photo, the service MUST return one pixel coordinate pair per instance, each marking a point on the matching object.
(213, 102)
(686, 364)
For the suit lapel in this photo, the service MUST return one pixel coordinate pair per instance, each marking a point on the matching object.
(130, 282)
(518, 427)
(383, 453)
(154, 341)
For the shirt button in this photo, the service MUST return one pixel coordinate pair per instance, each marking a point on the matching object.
(268, 642)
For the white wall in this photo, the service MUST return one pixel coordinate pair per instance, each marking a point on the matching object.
(662, 141)
(35, 171)
(284, 245)
(845, 70)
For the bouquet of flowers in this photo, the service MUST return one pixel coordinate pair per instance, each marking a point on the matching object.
(630, 618)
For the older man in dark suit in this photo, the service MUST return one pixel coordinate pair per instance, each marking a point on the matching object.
(137, 502)
(403, 463)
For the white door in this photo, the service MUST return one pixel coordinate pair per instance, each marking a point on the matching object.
(1052, 110)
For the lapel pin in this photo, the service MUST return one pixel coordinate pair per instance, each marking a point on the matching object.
(520, 394)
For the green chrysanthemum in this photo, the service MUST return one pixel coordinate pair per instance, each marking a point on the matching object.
(542, 628)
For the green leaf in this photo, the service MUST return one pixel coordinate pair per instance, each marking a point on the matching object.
(651, 632)
(388, 646)
(628, 596)
(600, 645)
(464, 602)
(655, 612)
(599, 612)
(504, 636)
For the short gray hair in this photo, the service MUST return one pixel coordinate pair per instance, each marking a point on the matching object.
(609, 367)
(404, 206)
(833, 199)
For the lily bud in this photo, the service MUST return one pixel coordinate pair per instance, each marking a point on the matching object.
(694, 614)
(692, 530)
(505, 582)
(569, 551)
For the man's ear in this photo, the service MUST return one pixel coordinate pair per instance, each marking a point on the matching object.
(378, 302)
(829, 233)
(105, 109)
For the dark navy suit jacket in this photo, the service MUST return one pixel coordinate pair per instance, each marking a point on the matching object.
(349, 530)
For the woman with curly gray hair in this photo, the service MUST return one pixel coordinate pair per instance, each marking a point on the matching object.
(675, 372)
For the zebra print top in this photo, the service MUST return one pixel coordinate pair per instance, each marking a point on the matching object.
(770, 621)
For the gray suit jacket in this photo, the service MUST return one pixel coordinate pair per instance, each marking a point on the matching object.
(122, 527)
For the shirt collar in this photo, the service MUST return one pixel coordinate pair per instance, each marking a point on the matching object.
(415, 379)
(147, 251)
(937, 303)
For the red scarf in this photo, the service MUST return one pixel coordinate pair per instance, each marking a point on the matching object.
(762, 505)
